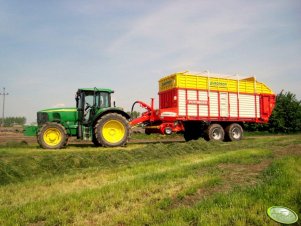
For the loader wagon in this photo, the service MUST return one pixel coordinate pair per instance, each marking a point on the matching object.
(207, 105)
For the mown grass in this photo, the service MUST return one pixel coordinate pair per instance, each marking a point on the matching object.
(194, 183)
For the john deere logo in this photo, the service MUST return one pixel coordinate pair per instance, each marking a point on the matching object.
(219, 84)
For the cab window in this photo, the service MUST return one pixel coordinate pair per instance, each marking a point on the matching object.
(103, 100)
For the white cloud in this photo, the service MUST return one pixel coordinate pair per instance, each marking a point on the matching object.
(59, 105)
(193, 25)
(236, 36)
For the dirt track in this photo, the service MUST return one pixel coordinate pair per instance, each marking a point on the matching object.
(6, 137)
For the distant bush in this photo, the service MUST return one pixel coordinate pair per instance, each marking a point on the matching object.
(286, 117)
(10, 121)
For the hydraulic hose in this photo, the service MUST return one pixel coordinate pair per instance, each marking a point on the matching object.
(136, 102)
(142, 104)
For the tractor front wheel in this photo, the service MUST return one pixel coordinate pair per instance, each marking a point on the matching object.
(112, 130)
(52, 136)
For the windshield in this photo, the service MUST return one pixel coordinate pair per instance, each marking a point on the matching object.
(103, 100)
(87, 105)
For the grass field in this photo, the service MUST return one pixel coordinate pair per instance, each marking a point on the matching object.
(194, 183)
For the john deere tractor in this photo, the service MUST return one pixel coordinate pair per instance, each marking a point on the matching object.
(94, 118)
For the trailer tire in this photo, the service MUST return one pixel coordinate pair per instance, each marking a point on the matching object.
(112, 130)
(234, 132)
(193, 131)
(52, 135)
(190, 135)
(214, 132)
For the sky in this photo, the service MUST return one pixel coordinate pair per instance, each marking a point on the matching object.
(49, 49)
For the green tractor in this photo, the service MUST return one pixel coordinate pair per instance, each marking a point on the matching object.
(94, 118)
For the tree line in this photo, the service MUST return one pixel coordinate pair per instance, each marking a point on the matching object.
(10, 121)
(286, 116)
(134, 114)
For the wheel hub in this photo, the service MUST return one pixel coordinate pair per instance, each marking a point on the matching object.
(113, 131)
(52, 136)
(235, 133)
(216, 134)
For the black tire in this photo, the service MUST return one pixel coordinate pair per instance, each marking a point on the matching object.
(112, 130)
(193, 131)
(189, 135)
(234, 132)
(215, 132)
(95, 141)
(52, 135)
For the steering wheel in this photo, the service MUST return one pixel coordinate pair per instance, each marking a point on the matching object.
(87, 106)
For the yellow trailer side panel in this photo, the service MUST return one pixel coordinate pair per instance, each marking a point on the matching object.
(204, 82)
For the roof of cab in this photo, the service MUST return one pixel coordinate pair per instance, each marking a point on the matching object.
(97, 89)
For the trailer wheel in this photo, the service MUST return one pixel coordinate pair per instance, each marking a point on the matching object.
(190, 135)
(215, 132)
(193, 131)
(234, 132)
(112, 130)
(52, 136)
(168, 131)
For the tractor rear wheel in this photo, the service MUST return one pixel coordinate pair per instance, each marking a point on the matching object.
(234, 132)
(52, 136)
(112, 130)
(95, 141)
(215, 132)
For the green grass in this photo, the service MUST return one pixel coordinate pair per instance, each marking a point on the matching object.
(155, 136)
(194, 183)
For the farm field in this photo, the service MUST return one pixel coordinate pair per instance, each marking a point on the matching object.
(177, 183)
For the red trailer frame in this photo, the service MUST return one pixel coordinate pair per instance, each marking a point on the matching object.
(182, 105)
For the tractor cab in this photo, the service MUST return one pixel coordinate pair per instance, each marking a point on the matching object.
(90, 101)
(98, 120)
(94, 118)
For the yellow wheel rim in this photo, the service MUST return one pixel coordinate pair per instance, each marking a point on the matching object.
(52, 136)
(113, 131)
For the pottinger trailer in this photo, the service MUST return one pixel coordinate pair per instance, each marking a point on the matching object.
(209, 106)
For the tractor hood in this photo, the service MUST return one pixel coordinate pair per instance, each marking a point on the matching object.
(69, 109)
(62, 115)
